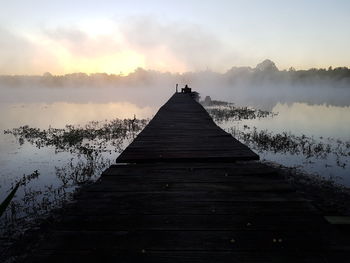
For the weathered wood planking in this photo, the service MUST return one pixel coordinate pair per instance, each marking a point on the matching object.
(182, 130)
(187, 212)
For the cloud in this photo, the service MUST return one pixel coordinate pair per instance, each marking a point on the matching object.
(193, 45)
(134, 42)
(16, 54)
(80, 43)
(70, 34)
(21, 55)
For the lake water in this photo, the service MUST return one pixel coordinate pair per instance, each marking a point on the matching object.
(55, 172)
(320, 125)
(59, 171)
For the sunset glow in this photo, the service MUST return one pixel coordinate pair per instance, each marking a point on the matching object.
(123, 62)
(117, 38)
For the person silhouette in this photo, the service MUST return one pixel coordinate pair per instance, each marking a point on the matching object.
(186, 89)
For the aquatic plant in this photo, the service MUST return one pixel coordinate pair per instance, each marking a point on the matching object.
(88, 140)
(226, 111)
(285, 142)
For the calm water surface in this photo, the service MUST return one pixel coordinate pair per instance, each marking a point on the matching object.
(324, 124)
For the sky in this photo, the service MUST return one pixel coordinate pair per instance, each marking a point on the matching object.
(117, 37)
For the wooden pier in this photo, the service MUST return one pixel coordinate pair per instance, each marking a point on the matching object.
(183, 131)
(186, 191)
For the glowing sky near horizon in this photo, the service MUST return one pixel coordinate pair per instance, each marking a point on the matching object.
(118, 36)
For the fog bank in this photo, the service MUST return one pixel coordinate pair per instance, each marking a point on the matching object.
(262, 86)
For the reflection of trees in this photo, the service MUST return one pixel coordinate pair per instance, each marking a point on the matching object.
(81, 171)
(35, 203)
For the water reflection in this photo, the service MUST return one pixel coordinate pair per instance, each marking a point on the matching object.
(311, 120)
(59, 114)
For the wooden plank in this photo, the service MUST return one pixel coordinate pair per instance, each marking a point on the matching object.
(137, 240)
(191, 222)
(190, 196)
(151, 207)
(277, 186)
(202, 170)
(257, 256)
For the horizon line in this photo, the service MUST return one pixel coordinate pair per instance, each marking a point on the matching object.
(121, 74)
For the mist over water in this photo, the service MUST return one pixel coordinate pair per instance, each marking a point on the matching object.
(263, 86)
